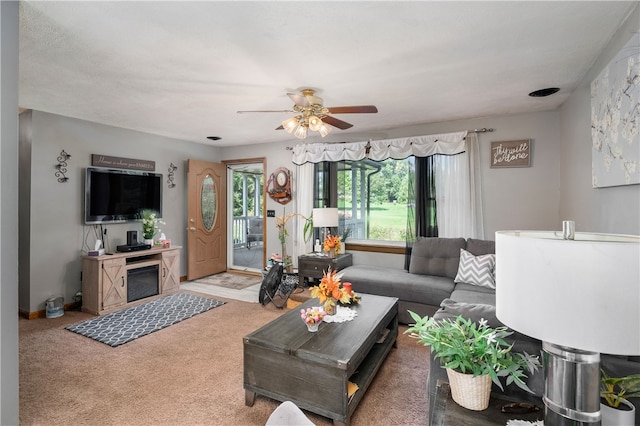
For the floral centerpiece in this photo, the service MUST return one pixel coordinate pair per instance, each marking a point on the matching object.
(471, 348)
(332, 245)
(330, 291)
(150, 224)
(312, 315)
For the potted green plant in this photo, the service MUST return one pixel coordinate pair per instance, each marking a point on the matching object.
(615, 408)
(476, 353)
(150, 224)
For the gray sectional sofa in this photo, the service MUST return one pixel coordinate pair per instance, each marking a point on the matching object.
(430, 279)
(430, 288)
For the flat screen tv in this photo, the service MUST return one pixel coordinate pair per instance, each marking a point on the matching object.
(116, 196)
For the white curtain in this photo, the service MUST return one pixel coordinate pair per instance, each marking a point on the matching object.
(399, 148)
(458, 180)
(458, 193)
(304, 206)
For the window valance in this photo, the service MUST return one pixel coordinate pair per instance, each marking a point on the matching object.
(378, 150)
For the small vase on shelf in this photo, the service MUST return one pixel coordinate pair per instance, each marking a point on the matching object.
(148, 241)
(332, 253)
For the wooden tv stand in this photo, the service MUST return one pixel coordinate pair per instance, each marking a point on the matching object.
(104, 278)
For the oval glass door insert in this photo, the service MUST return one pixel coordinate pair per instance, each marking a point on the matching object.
(208, 202)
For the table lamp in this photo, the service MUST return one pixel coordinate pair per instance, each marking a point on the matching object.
(579, 293)
(326, 217)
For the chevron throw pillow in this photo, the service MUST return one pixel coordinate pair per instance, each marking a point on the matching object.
(476, 270)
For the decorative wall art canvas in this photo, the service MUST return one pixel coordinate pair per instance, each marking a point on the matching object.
(615, 119)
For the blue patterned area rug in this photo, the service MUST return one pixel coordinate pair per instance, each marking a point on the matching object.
(124, 326)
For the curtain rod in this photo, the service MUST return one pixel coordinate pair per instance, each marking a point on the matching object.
(482, 130)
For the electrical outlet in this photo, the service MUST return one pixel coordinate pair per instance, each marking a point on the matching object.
(271, 213)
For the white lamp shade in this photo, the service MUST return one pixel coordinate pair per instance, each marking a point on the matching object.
(582, 294)
(325, 217)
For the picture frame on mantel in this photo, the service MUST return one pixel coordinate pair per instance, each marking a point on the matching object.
(511, 154)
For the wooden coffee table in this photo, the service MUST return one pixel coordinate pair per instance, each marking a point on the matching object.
(286, 362)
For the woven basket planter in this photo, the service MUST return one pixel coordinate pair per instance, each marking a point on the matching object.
(468, 391)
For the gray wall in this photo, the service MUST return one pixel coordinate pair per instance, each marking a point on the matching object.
(9, 213)
(556, 187)
(56, 230)
(610, 210)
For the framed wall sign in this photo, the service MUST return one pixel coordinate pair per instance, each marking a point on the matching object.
(511, 153)
(122, 163)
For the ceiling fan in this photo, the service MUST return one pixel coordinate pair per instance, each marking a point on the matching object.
(313, 115)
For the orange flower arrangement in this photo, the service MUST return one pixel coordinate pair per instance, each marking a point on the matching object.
(329, 291)
(333, 242)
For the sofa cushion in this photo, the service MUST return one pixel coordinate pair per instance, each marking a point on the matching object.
(436, 256)
(468, 293)
(480, 247)
(476, 270)
(425, 289)
(451, 309)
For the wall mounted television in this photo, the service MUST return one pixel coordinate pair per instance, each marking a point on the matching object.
(117, 196)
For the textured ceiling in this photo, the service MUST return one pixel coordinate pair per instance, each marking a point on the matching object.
(183, 69)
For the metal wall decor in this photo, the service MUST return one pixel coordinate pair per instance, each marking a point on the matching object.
(61, 167)
(170, 176)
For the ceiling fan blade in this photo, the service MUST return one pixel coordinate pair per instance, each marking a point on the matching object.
(280, 110)
(299, 99)
(343, 125)
(356, 109)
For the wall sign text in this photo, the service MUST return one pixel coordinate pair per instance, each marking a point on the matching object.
(511, 153)
(122, 163)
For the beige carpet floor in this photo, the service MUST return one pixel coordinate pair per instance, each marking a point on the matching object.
(187, 374)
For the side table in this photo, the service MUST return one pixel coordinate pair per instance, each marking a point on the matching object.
(447, 412)
(314, 265)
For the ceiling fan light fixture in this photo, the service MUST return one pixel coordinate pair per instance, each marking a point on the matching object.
(315, 123)
(290, 124)
(301, 132)
(324, 130)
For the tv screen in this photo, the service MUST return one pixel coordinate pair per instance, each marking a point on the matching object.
(113, 196)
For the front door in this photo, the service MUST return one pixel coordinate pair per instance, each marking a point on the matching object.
(207, 219)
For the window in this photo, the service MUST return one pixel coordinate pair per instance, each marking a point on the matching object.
(440, 178)
(372, 196)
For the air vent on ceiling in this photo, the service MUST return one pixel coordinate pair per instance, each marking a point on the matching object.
(544, 92)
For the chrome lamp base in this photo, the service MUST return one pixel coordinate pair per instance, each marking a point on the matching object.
(571, 386)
